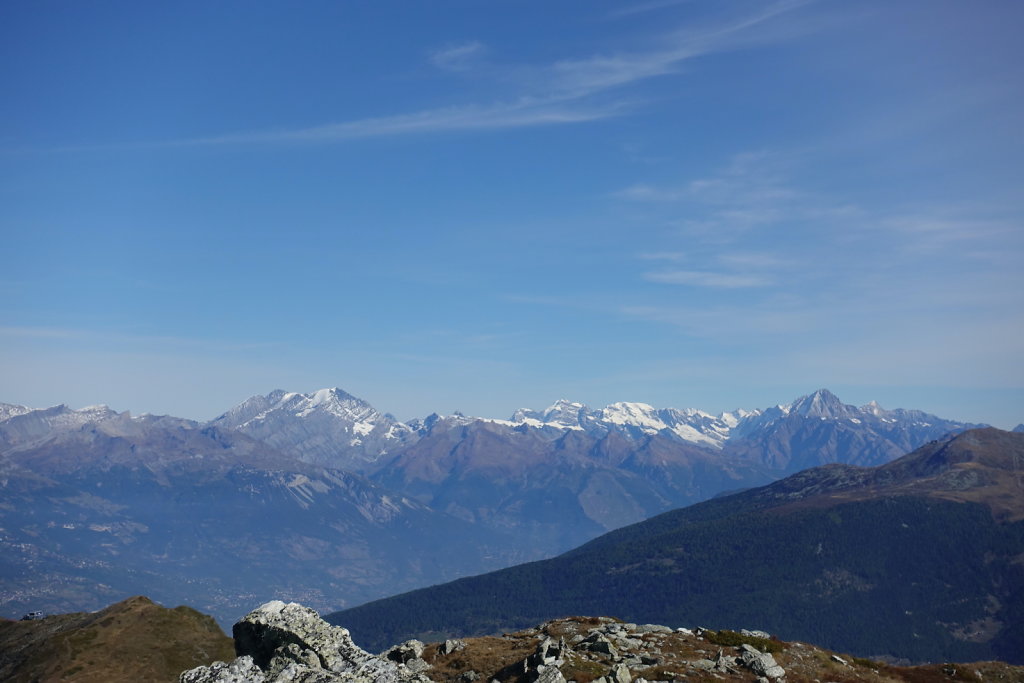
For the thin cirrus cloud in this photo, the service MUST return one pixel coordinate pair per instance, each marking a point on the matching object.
(561, 92)
(525, 112)
(457, 57)
(702, 278)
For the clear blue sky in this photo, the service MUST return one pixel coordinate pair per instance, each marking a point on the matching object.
(477, 206)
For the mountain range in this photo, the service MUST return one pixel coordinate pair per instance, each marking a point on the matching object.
(320, 497)
(334, 428)
(918, 558)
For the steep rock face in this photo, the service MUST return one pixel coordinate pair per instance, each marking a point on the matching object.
(281, 643)
(327, 427)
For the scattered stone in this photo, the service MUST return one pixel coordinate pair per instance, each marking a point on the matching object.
(406, 652)
(761, 663)
(242, 670)
(620, 674)
(281, 643)
(550, 674)
(597, 642)
(625, 643)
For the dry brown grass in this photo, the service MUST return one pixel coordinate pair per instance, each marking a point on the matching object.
(501, 659)
(134, 640)
(490, 657)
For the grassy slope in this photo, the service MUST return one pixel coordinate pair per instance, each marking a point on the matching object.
(133, 640)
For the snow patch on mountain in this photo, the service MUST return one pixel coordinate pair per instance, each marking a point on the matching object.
(326, 427)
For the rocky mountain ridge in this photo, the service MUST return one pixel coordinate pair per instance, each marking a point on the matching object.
(287, 643)
(330, 426)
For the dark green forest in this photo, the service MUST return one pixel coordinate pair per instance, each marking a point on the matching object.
(911, 578)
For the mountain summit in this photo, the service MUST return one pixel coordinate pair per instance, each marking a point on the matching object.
(327, 427)
(823, 404)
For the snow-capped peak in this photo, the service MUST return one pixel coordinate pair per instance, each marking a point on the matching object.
(640, 415)
(9, 410)
(822, 404)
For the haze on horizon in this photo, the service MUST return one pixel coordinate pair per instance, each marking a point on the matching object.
(486, 206)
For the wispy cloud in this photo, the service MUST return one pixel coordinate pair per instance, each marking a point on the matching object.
(518, 114)
(457, 57)
(698, 278)
(725, 323)
(566, 91)
(674, 256)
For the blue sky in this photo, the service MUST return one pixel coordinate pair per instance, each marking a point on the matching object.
(479, 206)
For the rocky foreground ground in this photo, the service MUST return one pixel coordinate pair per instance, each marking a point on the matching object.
(288, 643)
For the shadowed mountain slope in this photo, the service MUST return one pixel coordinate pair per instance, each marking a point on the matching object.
(210, 516)
(916, 559)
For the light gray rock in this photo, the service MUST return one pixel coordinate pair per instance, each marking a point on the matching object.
(277, 624)
(416, 665)
(406, 652)
(450, 646)
(761, 663)
(549, 674)
(242, 670)
(597, 642)
(620, 674)
(549, 651)
(289, 643)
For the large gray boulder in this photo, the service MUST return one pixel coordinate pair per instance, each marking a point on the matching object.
(289, 643)
(761, 663)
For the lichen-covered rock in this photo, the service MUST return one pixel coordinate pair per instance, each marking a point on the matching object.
(761, 663)
(242, 670)
(406, 652)
(289, 643)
